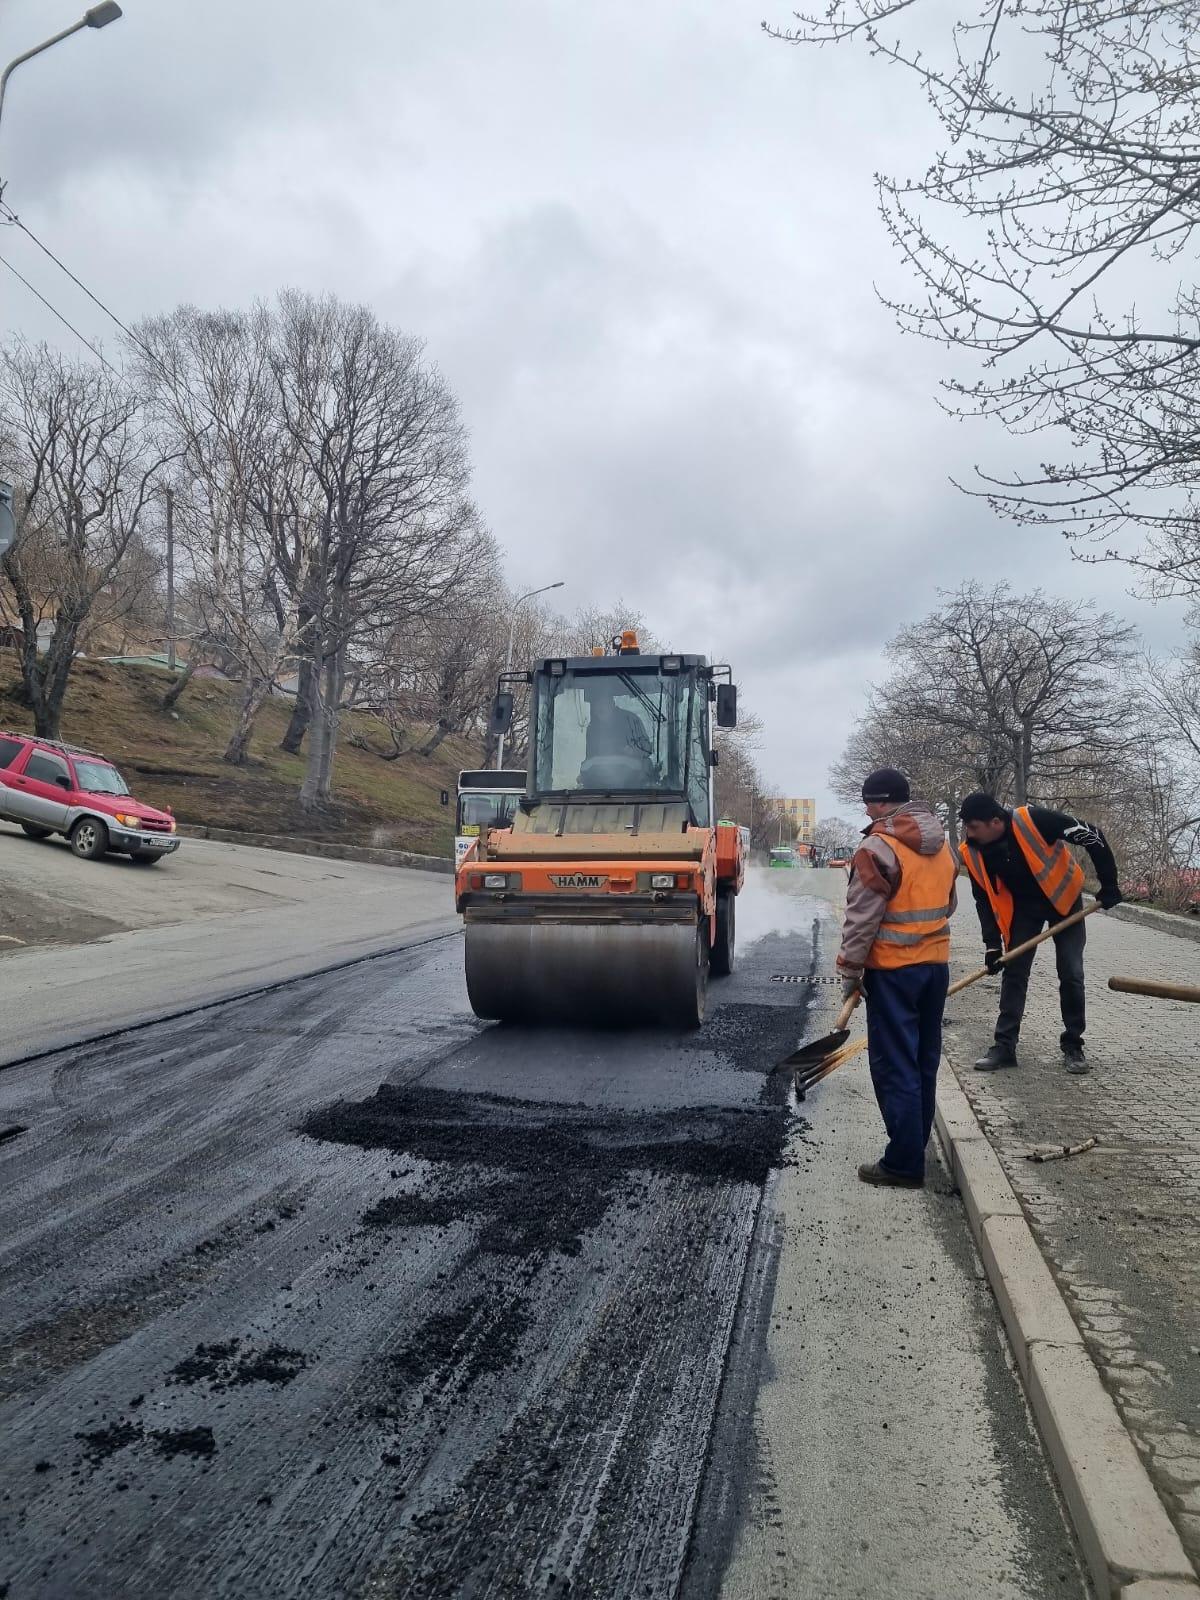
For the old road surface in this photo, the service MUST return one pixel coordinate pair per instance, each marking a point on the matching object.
(335, 1291)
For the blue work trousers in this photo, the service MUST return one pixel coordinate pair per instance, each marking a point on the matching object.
(904, 1044)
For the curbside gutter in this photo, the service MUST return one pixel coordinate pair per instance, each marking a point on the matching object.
(318, 847)
(1128, 1540)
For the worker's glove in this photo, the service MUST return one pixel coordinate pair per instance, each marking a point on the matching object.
(851, 985)
(992, 960)
(1109, 898)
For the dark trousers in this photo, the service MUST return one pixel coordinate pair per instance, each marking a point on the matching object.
(904, 1044)
(1014, 985)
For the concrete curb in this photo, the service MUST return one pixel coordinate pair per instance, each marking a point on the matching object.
(318, 847)
(1179, 927)
(1129, 1542)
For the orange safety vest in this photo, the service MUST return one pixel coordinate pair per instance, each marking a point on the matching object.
(1059, 876)
(916, 920)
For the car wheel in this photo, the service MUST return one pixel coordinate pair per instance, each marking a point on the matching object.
(89, 838)
(34, 832)
(148, 858)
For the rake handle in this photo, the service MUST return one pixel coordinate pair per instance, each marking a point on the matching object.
(1157, 991)
(1023, 949)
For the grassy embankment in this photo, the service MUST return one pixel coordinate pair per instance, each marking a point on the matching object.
(116, 711)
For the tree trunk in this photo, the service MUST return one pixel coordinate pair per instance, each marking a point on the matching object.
(175, 692)
(442, 731)
(303, 709)
(310, 789)
(237, 750)
(53, 677)
(335, 677)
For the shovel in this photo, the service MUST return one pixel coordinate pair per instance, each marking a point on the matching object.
(812, 1066)
(1157, 991)
(811, 1055)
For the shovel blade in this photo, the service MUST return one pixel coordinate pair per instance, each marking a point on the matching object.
(808, 1055)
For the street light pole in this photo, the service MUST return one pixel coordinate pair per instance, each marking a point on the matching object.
(171, 579)
(98, 17)
(512, 625)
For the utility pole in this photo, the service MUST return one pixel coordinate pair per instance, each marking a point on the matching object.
(171, 579)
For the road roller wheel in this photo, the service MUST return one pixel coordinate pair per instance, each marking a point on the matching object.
(723, 947)
(692, 1006)
(610, 975)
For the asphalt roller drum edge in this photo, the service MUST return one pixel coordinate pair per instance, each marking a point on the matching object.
(613, 974)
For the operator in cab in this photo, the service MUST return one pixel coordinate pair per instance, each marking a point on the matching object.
(617, 742)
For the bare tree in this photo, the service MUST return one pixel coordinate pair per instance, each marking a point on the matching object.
(383, 446)
(741, 791)
(243, 532)
(1020, 695)
(436, 676)
(85, 465)
(1052, 235)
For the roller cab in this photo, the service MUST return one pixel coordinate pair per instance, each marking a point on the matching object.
(610, 897)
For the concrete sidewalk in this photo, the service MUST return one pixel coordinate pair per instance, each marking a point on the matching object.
(1120, 1224)
(895, 1451)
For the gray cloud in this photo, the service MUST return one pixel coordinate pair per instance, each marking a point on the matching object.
(640, 241)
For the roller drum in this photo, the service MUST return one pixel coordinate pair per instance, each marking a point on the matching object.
(570, 972)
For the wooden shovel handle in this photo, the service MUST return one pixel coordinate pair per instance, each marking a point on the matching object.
(844, 1015)
(1030, 944)
(1157, 991)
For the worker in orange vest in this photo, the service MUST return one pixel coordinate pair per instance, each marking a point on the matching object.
(896, 949)
(1023, 877)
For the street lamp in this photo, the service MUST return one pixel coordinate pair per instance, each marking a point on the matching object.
(512, 623)
(98, 17)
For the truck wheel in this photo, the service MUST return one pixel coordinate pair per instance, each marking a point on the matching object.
(34, 832)
(89, 839)
(723, 946)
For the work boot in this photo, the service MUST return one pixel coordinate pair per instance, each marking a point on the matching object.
(1000, 1055)
(875, 1172)
(1073, 1057)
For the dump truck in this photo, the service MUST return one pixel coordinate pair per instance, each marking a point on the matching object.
(610, 896)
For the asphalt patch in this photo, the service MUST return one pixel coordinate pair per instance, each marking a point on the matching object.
(101, 1443)
(564, 1165)
(231, 1364)
(479, 1337)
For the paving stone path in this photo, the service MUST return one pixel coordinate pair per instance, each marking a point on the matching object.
(1120, 1224)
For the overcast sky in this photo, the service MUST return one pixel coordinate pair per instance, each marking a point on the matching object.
(640, 240)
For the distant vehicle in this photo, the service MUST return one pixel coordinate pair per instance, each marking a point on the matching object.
(782, 855)
(487, 798)
(839, 861)
(49, 787)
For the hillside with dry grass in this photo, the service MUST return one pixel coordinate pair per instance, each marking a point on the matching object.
(176, 761)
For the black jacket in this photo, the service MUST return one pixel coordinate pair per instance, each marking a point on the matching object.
(1006, 862)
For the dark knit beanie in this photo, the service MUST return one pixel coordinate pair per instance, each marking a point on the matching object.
(980, 807)
(885, 784)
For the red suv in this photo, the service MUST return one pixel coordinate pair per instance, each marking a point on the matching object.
(50, 787)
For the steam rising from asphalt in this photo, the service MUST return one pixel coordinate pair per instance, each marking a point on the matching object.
(781, 902)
